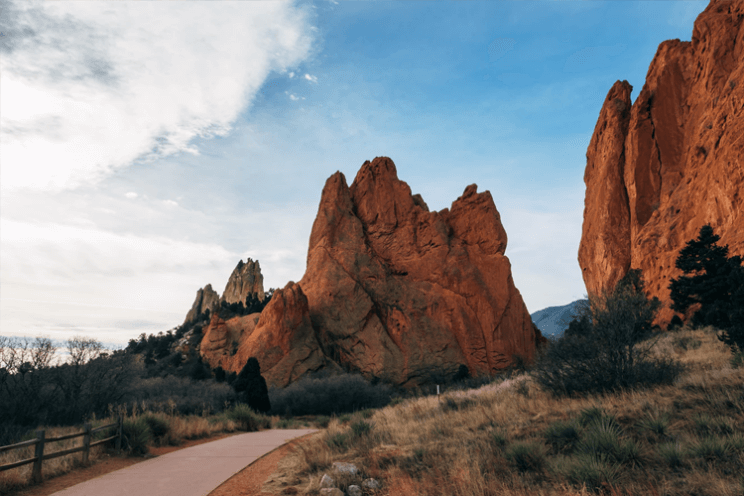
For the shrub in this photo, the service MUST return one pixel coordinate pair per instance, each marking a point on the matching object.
(527, 457)
(247, 419)
(710, 449)
(672, 454)
(655, 423)
(607, 348)
(158, 425)
(330, 395)
(602, 438)
(594, 472)
(136, 436)
(339, 441)
(498, 439)
(563, 436)
(361, 428)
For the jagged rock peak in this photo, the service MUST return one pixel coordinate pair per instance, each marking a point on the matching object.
(656, 174)
(245, 279)
(206, 299)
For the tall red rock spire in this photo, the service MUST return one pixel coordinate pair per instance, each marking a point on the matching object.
(656, 176)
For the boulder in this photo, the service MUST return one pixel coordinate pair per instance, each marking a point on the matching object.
(206, 299)
(245, 279)
(327, 481)
(371, 484)
(657, 171)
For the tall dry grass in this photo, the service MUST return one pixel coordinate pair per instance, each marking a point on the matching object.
(510, 437)
(20, 476)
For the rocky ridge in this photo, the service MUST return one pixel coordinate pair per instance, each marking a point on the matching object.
(661, 168)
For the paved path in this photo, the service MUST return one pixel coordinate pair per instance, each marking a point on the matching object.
(194, 471)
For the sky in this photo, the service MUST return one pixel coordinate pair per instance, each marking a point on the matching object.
(147, 147)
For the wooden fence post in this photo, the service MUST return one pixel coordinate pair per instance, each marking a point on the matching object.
(86, 443)
(119, 431)
(36, 473)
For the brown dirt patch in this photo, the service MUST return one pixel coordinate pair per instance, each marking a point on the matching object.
(104, 465)
(248, 482)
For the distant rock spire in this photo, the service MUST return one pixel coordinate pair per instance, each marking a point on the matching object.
(244, 280)
(206, 299)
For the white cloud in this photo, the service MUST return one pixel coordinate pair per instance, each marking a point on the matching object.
(312, 79)
(170, 203)
(131, 195)
(97, 85)
(291, 75)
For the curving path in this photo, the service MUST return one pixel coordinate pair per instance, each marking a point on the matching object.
(194, 471)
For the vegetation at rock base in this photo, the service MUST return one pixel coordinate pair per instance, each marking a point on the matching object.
(607, 346)
(674, 439)
(713, 283)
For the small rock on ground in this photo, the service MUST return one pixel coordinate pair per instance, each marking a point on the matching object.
(331, 491)
(327, 482)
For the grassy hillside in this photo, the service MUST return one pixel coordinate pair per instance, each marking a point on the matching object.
(510, 437)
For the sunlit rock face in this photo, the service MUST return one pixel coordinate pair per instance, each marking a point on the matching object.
(393, 290)
(657, 171)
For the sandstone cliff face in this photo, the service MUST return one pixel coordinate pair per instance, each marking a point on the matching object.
(660, 170)
(245, 279)
(395, 291)
(206, 299)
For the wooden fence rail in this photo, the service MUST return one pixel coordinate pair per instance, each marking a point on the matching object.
(41, 441)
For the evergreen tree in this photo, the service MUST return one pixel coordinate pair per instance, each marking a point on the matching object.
(251, 387)
(709, 280)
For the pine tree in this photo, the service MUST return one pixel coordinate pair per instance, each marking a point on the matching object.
(713, 281)
(706, 280)
(251, 387)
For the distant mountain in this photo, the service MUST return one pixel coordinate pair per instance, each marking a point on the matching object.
(553, 321)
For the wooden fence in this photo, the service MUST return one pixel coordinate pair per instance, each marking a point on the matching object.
(41, 441)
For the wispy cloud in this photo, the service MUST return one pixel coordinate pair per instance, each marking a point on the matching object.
(312, 79)
(90, 87)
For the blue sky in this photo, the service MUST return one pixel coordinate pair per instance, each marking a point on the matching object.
(148, 146)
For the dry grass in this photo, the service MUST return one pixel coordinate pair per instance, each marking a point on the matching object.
(686, 438)
(20, 476)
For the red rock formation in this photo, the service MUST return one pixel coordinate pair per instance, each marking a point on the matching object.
(282, 339)
(395, 291)
(245, 279)
(206, 299)
(656, 174)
